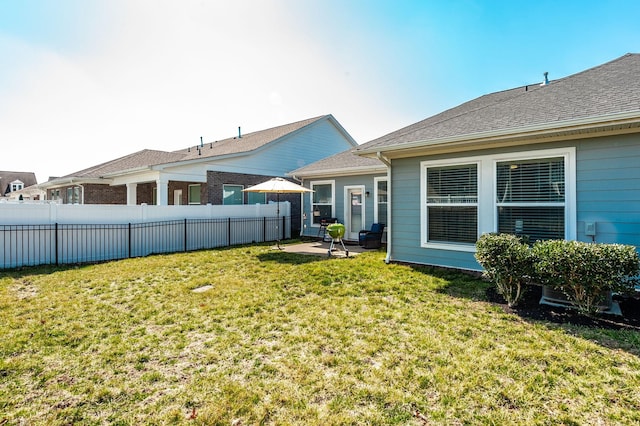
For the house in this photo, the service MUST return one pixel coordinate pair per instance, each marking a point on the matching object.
(15, 181)
(347, 187)
(207, 173)
(557, 159)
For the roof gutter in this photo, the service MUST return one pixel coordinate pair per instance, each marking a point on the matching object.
(387, 163)
(68, 181)
(349, 171)
(505, 135)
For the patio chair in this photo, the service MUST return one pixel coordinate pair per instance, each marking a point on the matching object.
(371, 238)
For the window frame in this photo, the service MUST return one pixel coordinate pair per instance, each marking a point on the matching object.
(252, 195)
(190, 201)
(487, 183)
(224, 186)
(424, 206)
(73, 195)
(569, 183)
(376, 203)
(16, 185)
(333, 198)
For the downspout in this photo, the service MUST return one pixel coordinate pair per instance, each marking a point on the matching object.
(81, 194)
(387, 163)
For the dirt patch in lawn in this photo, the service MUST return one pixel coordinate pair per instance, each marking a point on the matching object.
(530, 308)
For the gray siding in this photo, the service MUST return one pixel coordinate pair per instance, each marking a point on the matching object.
(608, 188)
(607, 192)
(405, 220)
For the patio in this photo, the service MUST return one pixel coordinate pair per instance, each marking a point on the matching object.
(321, 248)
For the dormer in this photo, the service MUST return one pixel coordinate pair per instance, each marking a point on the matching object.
(16, 185)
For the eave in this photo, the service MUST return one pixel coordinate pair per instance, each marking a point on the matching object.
(73, 180)
(350, 171)
(591, 127)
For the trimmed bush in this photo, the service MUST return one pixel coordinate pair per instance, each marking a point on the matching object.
(586, 272)
(508, 262)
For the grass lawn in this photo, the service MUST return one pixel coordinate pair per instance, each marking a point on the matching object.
(290, 339)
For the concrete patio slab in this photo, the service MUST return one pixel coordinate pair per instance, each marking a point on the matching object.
(321, 248)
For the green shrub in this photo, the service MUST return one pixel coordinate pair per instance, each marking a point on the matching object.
(586, 272)
(508, 262)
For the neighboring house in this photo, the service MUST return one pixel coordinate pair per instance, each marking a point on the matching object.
(30, 193)
(15, 181)
(207, 173)
(347, 187)
(559, 159)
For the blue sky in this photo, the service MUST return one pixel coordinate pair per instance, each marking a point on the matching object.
(87, 81)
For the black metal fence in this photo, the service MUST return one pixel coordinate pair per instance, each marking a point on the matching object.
(31, 245)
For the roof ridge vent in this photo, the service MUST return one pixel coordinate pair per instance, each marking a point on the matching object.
(546, 79)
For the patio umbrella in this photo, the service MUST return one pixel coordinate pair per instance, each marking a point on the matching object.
(278, 186)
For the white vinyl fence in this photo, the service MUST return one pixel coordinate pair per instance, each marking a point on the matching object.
(50, 233)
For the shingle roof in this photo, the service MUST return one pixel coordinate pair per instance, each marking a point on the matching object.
(235, 145)
(343, 162)
(246, 143)
(613, 87)
(146, 157)
(6, 177)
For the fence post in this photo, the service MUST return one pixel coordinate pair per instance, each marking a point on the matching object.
(264, 229)
(129, 240)
(229, 232)
(185, 234)
(284, 221)
(56, 241)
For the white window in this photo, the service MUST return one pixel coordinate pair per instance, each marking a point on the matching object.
(323, 201)
(16, 185)
(529, 193)
(451, 203)
(232, 194)
(73, 195)
(381, 197)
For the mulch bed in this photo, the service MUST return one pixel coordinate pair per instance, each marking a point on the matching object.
(530, 308)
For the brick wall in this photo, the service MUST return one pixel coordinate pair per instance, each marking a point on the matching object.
(93, 194)
(144, 193)
(104, 194)
(216, 181)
